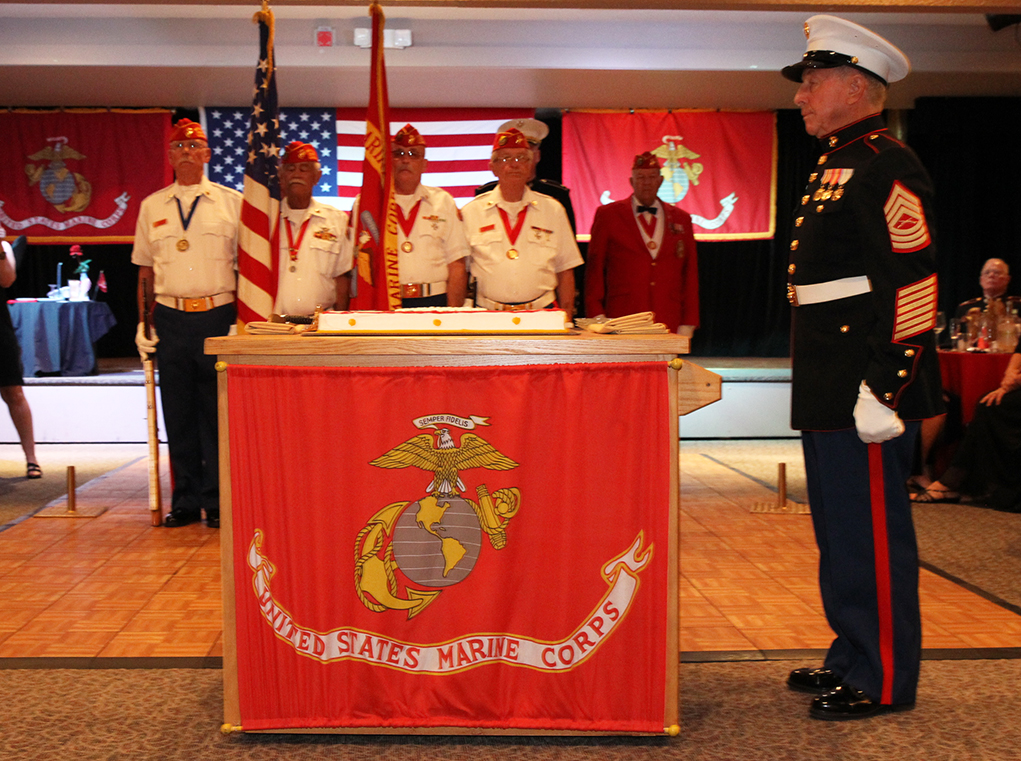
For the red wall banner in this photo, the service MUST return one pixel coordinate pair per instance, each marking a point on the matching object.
(77, 177)
(719, 166)
(431, 547)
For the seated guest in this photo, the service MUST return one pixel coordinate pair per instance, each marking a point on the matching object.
(523, 251)
(315, 252)
(432, 251)
(986, 462)
(994, 279)
(642, 256)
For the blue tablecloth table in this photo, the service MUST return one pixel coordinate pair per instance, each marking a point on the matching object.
(58, 337)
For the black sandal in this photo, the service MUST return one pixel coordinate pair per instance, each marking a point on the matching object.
(32, 470)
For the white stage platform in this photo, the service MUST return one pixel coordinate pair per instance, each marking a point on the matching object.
(110, 407)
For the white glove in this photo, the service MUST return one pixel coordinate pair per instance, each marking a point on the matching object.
(146, 346)
(875, 421)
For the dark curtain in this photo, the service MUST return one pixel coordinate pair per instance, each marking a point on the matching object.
(743, 284)
(970, 147)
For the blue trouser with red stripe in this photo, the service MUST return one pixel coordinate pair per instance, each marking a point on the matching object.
(868, 559)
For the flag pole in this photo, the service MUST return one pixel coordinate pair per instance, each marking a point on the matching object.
(376, 226)
(258, 242)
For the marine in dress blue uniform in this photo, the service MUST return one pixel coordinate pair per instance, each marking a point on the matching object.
(863, 290)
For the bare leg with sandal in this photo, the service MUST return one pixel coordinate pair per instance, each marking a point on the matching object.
(21, 414)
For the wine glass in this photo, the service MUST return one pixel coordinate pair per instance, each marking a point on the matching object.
(955, 332)
(941, 324)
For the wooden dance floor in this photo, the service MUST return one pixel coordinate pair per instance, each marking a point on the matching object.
(113, 587)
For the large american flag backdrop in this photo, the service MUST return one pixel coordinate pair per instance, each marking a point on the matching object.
(460, 143)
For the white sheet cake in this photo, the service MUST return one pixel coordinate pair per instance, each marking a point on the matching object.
(444, 320)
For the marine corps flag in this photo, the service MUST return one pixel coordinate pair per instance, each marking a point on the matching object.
(78, 176)
(485, 547)
(378, 286)
(719, 166)
(258, 244)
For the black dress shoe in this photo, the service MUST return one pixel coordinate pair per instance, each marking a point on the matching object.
(846, 703)
(177, 519)
(213, 521)
(814, 681)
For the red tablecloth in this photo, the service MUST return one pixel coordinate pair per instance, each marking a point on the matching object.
(971, 376)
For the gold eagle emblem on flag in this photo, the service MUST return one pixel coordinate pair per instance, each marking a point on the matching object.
(435, 540)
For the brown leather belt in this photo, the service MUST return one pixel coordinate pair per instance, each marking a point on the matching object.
(197, 304)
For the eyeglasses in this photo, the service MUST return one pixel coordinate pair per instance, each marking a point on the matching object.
(192, 145)
(399, 153)
(513, 160)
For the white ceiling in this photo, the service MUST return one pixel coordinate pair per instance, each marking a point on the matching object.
(158, 54)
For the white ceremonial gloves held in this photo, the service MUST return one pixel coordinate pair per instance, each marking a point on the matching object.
(146, 346)
(874, 421)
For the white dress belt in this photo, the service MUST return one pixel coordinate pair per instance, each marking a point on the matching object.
(196, 303)
(831, 290)
(423, 290)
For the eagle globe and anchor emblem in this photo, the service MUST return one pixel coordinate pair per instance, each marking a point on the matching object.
(435, 540)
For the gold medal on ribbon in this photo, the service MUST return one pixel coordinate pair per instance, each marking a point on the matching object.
(183, 245)
(838, 193)
(512, 253)
(652, 245)
(407, 247)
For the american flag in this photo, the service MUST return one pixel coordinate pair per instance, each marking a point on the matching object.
(460, 142)
(258, 246)
(228, 140)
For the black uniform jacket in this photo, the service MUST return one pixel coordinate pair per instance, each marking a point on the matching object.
(867, 210)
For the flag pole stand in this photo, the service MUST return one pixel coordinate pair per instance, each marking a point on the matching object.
(67, 507)
(782, 504)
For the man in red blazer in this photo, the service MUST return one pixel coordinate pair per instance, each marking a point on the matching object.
(642, 256)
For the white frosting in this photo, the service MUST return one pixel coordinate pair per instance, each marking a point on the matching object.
(443, 320)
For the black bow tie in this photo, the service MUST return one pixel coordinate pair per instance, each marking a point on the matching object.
(651, 209)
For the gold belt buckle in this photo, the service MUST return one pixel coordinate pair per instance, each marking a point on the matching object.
(792, 295)
(412, 290)
(195, 305)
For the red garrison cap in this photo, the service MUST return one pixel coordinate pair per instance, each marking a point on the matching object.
(512, 138)
(186, 129)
(408, 137)
(297, 152)
(645, 161)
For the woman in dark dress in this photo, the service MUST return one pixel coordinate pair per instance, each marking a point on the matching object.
(11, 379)
(987, 461)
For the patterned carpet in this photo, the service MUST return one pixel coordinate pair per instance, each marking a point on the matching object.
(730, 711)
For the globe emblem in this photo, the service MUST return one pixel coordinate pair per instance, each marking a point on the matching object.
(676, 185)
(56, 185)
(437, 541)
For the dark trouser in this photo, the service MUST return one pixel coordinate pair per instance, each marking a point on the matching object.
(188, 391)
(868, 559)
(439, 300)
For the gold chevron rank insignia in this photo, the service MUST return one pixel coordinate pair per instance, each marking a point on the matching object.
(905, 220)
